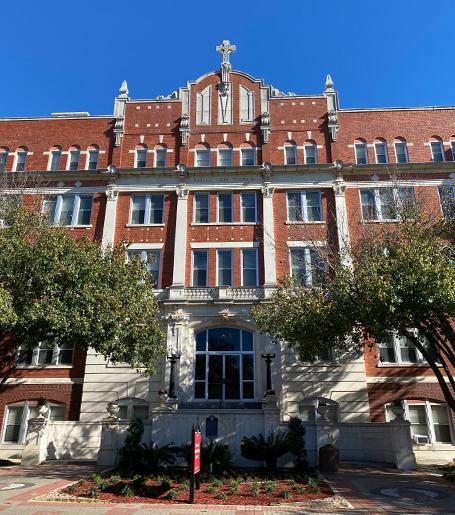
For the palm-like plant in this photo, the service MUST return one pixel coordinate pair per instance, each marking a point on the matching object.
(268, 449)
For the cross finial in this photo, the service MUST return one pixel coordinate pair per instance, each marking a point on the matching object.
(226, 48)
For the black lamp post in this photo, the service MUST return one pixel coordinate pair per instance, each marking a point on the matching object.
(268, 361)
(173, 358)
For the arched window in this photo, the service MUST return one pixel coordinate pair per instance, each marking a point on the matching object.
(401, 150)
(18, 414)
(361, 151)
(437, 149)
(160, 156)
(430, 421)
(380, 150)
(140, 156)
(55, 156)
(318, 408)
(310, 152)
(202, 155)
(93, 153)
(20, 159)
(3, 158)
(224, 154)
(247, 154)
(224, 364)
(290, 153)
(74, 155)
(132, 407)
(452, 146)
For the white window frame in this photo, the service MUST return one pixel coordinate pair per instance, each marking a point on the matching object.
(377, 202)
(143, 257)
(5, 153)
(148, 206)
(365, 146)
(136, 155)
(87, 159)
(196, 193)
(305, 153)
(130, 404)
(452, 147)
(405, 147)
(312, 405)
(76, 206)
(255, 206)
(295, 150)
(155, 159)
(241, 267)
(218, 206)
(16, 159)
(394, 342)
(205, 151)
(441, 148)
(55, 357)
(52, 153)
(304, 210)
(309, 277)
(69, 156)
(232, 267)
(206, 270)
(441, 203)
(383, 144)
(429, 419)
(226, 150)
(248, 149)
(24, 419)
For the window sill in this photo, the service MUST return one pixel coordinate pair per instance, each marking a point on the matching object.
(197, 224)
(381, 221)
(78, 226)
(40, 367)
(404, 365)
(144, 225)
(316, 222)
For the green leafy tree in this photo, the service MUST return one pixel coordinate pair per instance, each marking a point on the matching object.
(402, 281)
(54, 287)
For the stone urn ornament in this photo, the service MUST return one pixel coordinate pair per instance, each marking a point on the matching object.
(113, 409)
(43, 407)
(398, 411)
(323, 410)
(164, 396)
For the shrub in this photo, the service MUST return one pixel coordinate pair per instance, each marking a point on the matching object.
(268, 449)
(155, 456)
(216, 454)
(254, 489)
(210, 489)
(172, 494)
(221, 495)
(234, 487)
(131, 453)
(448, 472)
(285, 495)
(269, 486)
(93, 492)
(217, 483)
(165, 484)
(296, 442)
(313, 484)
(127, 491)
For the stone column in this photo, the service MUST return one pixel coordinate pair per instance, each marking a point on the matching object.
(178, 278)
(344, 244)
(110, 216)
(269, 236)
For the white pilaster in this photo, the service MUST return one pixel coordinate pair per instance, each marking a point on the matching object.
(269, 236)
(344, 244)
(110, 216)
(178, 277)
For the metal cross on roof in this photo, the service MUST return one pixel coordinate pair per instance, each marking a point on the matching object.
(226, 48)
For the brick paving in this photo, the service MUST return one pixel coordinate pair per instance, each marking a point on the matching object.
(371, 491)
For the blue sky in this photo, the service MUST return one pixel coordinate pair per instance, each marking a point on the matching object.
(72, 56)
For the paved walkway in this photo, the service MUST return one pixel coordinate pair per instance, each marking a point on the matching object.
(371, 491)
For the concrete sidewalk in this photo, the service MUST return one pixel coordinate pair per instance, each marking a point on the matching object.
(366, 490)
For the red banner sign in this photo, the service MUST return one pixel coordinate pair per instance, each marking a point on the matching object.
(197, 452)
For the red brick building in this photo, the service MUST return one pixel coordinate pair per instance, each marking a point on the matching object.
(230, 184)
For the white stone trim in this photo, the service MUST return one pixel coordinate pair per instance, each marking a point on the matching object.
(306, 244)
(44, 380)
(224, 244)
(145, 246)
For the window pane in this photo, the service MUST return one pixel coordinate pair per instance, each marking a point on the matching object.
(381, 153)
(13, 423)
(25, 356)
(407, 199)
(66, 212)
(3, 159)
(232, 377)
(215, 386)
(447, 197)
(388, 207)
(123, 413)
(156, 209)
(248, 201)
(199, 374)
(65, 354)
(152, 261)
(55, 160)
(49, 204)
(408, 352)
(387, 352)
(249, 267)
(201, 201)
(248, 390)
(248, 156)
(93, 159)
(199, 390)
(441, 423)
(203, 157)
(224, 339)
(225, 207)
(138, 210)
(318, 264)
(307, 414)
(368, 205)
(290, 154)
(200, 268)
(85, 211)
(141, 412)
(400, 150)
(361, 154)
(45, 354)
(298, 267)
(248, 366)
(224, 157)
(310, 154)
(224, 267)
(20, 163)
(313, 206)
(141, 158)
(418, 420)
(160, 157)
(74, 159)
(437, 151)
(56, 413)
(247, 341)
(294, 207)
(201, 341)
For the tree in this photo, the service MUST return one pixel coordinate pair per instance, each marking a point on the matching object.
(402, 281)
(55, 288)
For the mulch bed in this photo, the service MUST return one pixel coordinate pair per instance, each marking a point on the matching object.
(153, 491)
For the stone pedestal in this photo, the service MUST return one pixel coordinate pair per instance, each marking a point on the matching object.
(108, 455)
(402, 445)
(34, 451)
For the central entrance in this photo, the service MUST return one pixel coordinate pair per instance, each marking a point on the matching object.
(224, 364)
